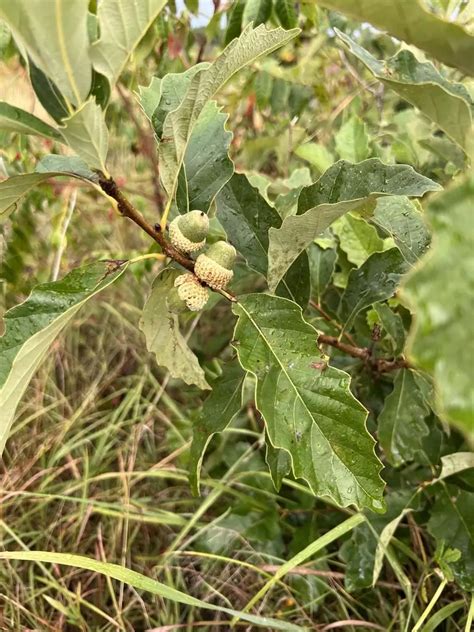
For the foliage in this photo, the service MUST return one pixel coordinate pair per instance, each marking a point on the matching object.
(337, 349)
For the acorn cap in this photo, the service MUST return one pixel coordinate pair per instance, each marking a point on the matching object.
(188, 232)
(222, 253)
(191, 291)
(194, 225)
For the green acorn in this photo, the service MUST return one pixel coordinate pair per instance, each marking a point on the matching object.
(214, 267)
(188, 232)
(191, 291)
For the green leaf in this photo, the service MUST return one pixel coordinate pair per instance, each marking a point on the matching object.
(400, 219)
(150, 96)
(307, 406)
(392, 323)
(247, 217)
(15, 188)
(15, 119)
(142, 582)
(352, 140)
(86, 134)
(401, 424)
(279, 463)
(55, 37)
(410, 21)
(122, 25)
(179, 123)
(66, 165)
(169, 94)
(454, 463)
(48, 93)
(447, 104)
(452, 524)
(296, 284)
(359, 552)
(163, 337)
(207, 165)
(440, 291)
(322, 263)
(376, 280)
(256, 11)
(342, 188)
(234, 21)
(357, 238)
(218, 411)
(32, 326)
(316, 154)
(286, 13)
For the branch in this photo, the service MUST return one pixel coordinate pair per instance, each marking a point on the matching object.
(381, 365)
(126, 209)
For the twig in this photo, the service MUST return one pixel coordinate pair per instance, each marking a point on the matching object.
(126, 208)
(381, 365)
(326, 316)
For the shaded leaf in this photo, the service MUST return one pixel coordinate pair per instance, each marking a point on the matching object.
(163, 337)
(400, 219)
(342, 188)
(376, 280)
(67, 165)
(122, 25)
(15, 119)
(220, 407)
(179, 123)
(307, 406)
(48, 93)
(441, 291)
(286, 13)
(392, 323)
(322, 264)
(234, 21)
(150, 96)
(452, 524)
(32, 326)
(86, 134)
(401, 424)
(279, 463)
(447, 104)
(247, 217)
(352, 140)
(410, 21)
(55, 37)
(256, 11)
(207, 166)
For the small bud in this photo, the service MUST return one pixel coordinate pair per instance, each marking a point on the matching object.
(215, 266)
(191, 291)
(188, 232)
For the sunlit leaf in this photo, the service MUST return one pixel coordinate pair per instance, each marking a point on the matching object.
(55, 37)
(357, 238)
(87, 135)
(122, 25)
(352, 140)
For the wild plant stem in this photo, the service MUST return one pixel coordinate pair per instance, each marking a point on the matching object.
(430, 606)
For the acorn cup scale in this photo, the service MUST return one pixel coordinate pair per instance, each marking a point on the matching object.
(214, 267)
(188, 232)
(190, 290)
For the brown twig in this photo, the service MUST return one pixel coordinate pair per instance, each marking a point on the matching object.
(126, 208)
(381, 365)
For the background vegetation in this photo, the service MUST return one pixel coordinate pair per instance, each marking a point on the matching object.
(98, 461)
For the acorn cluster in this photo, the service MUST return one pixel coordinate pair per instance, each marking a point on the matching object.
(213, 268)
